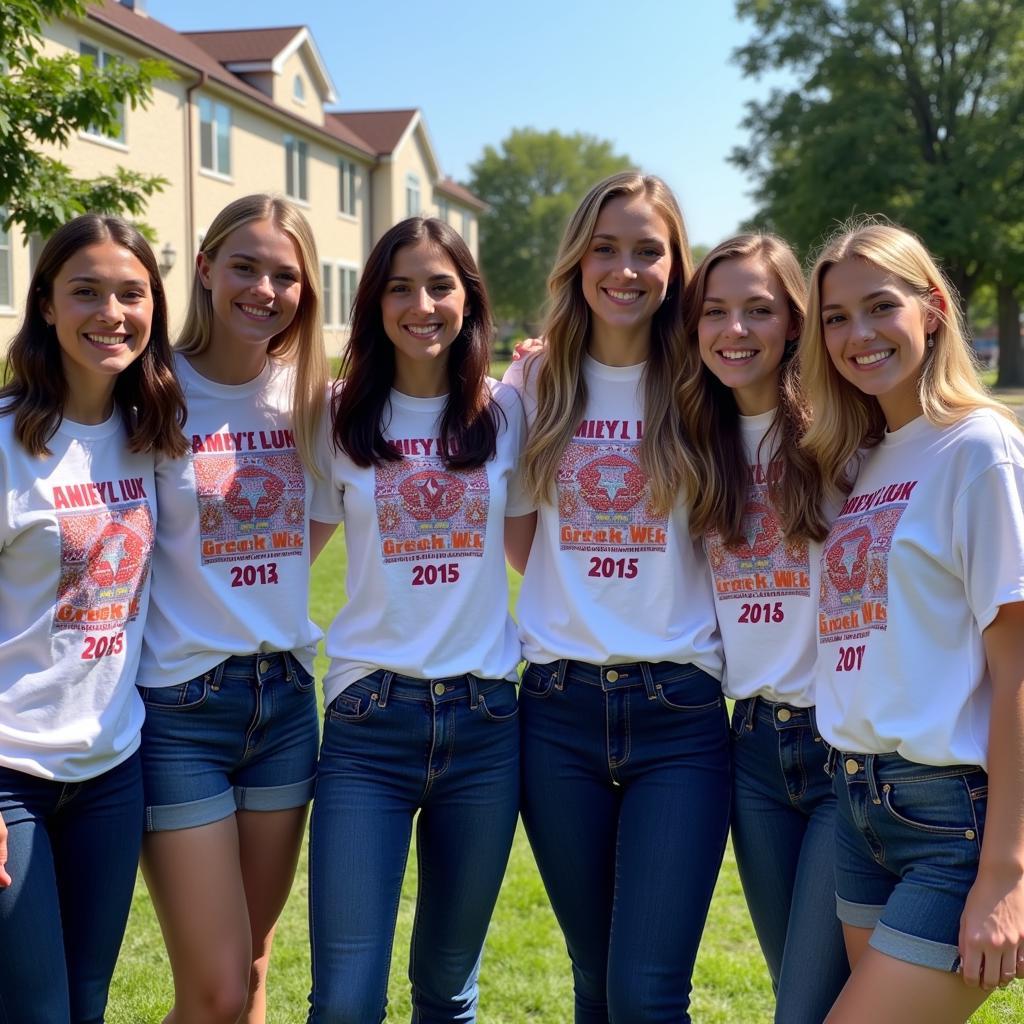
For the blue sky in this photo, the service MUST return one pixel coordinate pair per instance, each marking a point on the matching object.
(654, 77)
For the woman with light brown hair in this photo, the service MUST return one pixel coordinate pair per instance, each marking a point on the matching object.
(625, 744)
(230, 739)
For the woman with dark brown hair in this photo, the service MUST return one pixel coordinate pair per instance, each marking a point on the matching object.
(89, 398)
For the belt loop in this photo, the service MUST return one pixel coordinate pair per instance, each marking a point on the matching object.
(749, 712)
(385, 689)
(648, 677)
(831, 759)
(563, 665)
(870, 767)
(474, 691)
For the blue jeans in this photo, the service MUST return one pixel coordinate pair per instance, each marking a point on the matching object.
(908, 843)
(72, 853)
(392, 746)
(783, 834)
(626, 803)
(240, 737)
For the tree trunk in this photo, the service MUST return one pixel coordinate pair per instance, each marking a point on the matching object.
(1011, 353)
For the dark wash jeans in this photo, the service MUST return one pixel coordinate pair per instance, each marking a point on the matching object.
(783, 835)
(626, 804)
(72, 853)
(392, 746)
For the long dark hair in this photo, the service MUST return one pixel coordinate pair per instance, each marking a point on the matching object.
(469, 424)
(146, 392)
(712, 417)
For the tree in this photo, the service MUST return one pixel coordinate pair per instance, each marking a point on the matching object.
(532, 184)
(909, 108)
(48, 100)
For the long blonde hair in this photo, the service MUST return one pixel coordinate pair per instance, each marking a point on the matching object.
(844, 419)
(721, 477)
(561, 389)
(301, 343)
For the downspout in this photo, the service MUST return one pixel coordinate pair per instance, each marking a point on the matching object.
(190, 213)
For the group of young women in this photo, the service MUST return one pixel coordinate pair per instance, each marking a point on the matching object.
(717, 483)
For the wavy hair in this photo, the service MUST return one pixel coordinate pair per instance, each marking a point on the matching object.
(146, 393)
(469, 423)
(561, 389)
(301, 343)
(721, 478)
(844, 419)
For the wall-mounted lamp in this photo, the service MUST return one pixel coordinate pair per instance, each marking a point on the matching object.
(168, 254)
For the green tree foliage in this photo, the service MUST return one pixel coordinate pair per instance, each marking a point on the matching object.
(48, 100)
(909, 108)
(532, 183)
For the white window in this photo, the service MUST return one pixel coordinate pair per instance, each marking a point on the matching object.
(349, 279)
(102, 60)
(412, 195)
(214, 136)
(444, 211)
(327, 294)
(296, 153)
(299, 89)
(5, 262)
(347, 181)
(467, 227)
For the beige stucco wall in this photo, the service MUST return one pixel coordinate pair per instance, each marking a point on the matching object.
(284, 88)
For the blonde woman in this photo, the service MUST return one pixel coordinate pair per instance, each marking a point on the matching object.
(625, 743)
(763, 513)
(230, 739)
(920, 637)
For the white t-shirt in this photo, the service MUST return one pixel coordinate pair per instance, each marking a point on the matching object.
(926, 549)
(765, 593)
(609, 580)
(427, 588)
(76, 535)
(231, 563)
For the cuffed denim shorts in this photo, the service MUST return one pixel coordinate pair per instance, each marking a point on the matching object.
(908, 840)
(240, 737)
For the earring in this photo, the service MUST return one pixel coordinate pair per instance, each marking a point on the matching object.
(930, 341)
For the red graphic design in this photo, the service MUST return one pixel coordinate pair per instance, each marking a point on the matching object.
(854, 590)
(763, 563)
(427, 511)
(604, 502)
(105, 556)
(252, 505)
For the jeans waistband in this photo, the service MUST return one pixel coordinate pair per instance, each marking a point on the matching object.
(255, 667)
(776, 713)
(394, 686)
(875, 770)
(646, 674)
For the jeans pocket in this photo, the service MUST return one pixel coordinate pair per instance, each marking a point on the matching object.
(301, 679)
(182, 697)
(538, 680)
(500, 704)
(354, 704)
(940, 807)
(694, 693)
(738, 720)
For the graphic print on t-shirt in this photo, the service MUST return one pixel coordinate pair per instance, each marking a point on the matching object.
(764, 564)
(426, 511)
(854, 595)
(104, 554)
(604, 502)
(251, 492)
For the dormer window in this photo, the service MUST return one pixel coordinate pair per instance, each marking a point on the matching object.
(299, 89)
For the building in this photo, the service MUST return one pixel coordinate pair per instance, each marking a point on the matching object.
(248, 111)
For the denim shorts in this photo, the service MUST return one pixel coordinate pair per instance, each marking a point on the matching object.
(240, 737)
(908, 839)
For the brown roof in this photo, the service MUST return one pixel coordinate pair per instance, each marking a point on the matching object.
(450, 187)
(234, 45)
(382, 129)
(178, 47)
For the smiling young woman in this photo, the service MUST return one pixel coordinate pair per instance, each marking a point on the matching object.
(229, 743)
(920, 681)
(90, 396)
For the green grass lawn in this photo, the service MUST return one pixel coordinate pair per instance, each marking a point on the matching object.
(525, 976)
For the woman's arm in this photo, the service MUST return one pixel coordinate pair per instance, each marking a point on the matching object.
(5, 878)
(319, 535)
(992, 925)
(519, 531)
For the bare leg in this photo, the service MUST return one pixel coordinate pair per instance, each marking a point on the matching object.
(856, 940)
(883, 990)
